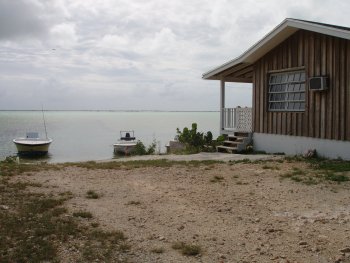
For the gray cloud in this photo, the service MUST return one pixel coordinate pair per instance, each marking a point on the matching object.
(88, 54)
(21, 19)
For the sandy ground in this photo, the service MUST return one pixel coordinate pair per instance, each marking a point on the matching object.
(203, 156)
(250, 215)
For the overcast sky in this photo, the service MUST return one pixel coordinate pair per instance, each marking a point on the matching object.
(135, 54)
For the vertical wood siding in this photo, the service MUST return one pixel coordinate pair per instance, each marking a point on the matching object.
(327, 113)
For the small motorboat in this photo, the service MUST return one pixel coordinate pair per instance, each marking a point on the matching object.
(126, 144)
(32, 144)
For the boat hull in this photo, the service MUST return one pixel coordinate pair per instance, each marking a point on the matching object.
(32, 148)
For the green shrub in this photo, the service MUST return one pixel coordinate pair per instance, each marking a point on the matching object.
(140, 148)
(191, 137)
(197, 141)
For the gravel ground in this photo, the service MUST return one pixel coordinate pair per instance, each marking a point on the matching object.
(235, 212)
(203, 156)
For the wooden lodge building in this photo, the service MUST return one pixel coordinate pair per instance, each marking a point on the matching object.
(300, 74)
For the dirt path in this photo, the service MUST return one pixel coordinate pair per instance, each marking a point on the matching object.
(234, 212)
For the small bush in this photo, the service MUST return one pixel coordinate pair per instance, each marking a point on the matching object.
(140, 148)
(82, 214)
(217, 178)
(157, 250)
(133, 203)
(269, 167)
(95, 224)
(187, 250)
(92, 195)
(197, 141)
(103, 236)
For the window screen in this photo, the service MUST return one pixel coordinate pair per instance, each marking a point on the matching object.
(287, 91)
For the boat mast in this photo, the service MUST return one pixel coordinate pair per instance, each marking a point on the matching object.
(42, 110)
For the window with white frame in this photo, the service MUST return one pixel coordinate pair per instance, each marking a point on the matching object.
(287, 91)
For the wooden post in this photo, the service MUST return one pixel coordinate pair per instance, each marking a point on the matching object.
(222, 105)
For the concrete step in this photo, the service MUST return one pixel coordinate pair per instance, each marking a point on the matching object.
(241, 134)
(226, 149)
(235, 138)
(227, 143)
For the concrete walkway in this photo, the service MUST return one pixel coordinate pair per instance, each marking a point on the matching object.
(225, 157)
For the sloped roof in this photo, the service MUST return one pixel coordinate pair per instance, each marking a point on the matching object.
(240, 68)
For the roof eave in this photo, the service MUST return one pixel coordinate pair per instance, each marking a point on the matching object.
(250, 51)
(322, 29)
(275, 37)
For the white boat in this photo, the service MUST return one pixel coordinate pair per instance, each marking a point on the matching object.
(126, 144)
(32, 144)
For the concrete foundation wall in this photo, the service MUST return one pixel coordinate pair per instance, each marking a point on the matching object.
(295, 145)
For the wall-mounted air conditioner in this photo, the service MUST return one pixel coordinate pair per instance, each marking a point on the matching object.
(318, 83)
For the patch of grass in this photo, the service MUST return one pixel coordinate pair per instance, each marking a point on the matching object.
(209, 167)
(140, 163)
(331, 170)
(41, 205)
(125, 247)
(35, 226)
(298, 171)
(319, 170)
(92, 165)
(59, 211)
(204, 162)
(133, 203)
(158, 250)
(103, 236)
(296, 178)
(217, 179)
(330, 165)
(241, 183)
(95, 224)
(83, 214)
(32, 226)
(66, 195)
(246, 161)
(102, 245)
(10, 167)
(295, 158)
(335, 177)
(301, 176)
(186, 249)
(310, 181)
(91, 194)
(269, 167)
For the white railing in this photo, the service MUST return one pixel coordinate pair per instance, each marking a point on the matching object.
(238, 119)
(229, 118)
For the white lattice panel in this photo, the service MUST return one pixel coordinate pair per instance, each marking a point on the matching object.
(243, 119)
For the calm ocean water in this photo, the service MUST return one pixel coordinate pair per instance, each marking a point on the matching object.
(89, 135)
